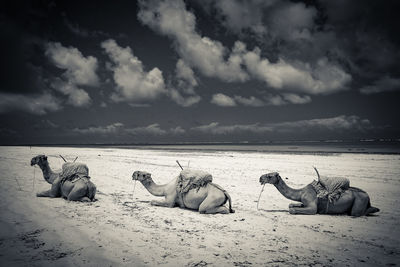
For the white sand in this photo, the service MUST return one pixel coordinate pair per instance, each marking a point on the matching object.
(123, 229)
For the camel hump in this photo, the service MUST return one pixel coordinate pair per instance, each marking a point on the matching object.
(191, 178)
(332, 184)
(72, 169)
(331, 187)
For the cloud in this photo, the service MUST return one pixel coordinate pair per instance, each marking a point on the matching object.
(177, 130)
(184, 93)
(133, 82)
(239, 16)
(185, 73)
(103, 130)
(290, 21)
(34, 104)
(79, 70)
(212, 59)
(251, 101)
(223, 100)
(184, 101)
(270, 100)
(296, 99)
(81, 31)
(323, 78)
(384, 84)
(152, 129)
(76, 97)
(119, 128)
(266, 19)
(339, 123)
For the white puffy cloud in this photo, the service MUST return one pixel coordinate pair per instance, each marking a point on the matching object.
(384, 84)
(104, 130)
(184, 93)
(296, 99)
(270, 100)
(76, 97)
(212, 59)
(339, 123)
(152, 129)
(217, 129)
(323, 78)
(177, 130)
(184, 101)
(250, 101)
(223, 100)
(79, 70)
(119, 128)
(133, 82)
(185, 73)
(35, 104)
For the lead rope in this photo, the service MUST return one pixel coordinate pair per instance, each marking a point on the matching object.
(34, 178)
(134, 186)
(258, 201)
(34, 172)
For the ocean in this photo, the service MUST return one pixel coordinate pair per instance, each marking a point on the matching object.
(373, 146)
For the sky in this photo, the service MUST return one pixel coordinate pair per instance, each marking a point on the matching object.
(119, 72)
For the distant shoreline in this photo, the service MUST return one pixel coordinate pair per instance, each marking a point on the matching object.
(289, 147)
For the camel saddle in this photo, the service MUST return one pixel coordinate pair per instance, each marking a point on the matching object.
(189, 179)
(74, 171)
(330, 188)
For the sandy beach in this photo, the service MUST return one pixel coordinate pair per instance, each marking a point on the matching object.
(121, 228)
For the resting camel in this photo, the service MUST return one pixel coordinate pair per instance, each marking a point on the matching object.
(353, 201)
(209, 198)
(81, 189)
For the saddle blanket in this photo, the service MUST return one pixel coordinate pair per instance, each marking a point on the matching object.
(190, 179)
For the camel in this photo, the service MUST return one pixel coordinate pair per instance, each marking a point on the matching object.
(81, 189)
(353, 201)
(207, 199)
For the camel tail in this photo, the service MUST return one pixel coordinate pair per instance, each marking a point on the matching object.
(230, 202)
(91, 190)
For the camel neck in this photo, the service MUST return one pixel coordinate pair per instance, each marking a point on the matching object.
(153, 188)
(47, 172)
(286, 191)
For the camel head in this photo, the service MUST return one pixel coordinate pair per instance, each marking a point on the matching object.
(270, 178)
(141, 176)
(39, 159)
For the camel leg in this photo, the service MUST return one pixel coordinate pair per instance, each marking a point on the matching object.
(220, 209)
(162, 203)
(213, 205)
(309, 205)
(169, 202)
(47, 193)
(78, 193)
(296, 205)
(310, 210)
(359, 206)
